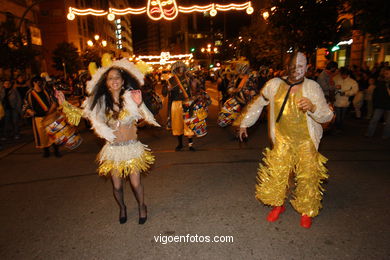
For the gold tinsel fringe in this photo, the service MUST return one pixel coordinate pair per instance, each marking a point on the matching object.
(272, 183)
(308, 194)
(73, 114)
(125, 168)
(273, 176)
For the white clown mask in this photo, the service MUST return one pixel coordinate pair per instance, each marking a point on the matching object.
(297, 67)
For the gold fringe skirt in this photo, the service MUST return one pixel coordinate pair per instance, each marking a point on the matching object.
(123, 159)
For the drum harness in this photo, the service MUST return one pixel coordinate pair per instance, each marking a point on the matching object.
(185, 94)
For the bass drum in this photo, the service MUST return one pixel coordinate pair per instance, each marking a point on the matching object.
(60, 132)
(197, 121)
(229, 112)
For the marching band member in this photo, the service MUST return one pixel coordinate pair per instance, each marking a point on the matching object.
(241, 90)
(180, 91)
(38, 104)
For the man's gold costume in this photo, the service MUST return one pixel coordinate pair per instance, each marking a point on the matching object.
(293, 151)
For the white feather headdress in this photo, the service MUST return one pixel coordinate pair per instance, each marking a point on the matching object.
(97, 114)
(124, 64)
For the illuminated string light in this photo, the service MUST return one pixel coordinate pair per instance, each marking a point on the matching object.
(250, 10)
(163, 55)
(213, 12)
(129, 11)
(71, 16)
(160, 9)
(164, 58)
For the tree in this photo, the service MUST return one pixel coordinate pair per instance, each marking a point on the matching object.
(65, 54)
(306, 24)
(293, 24)
(371, 16)
(91, 55)
(15, 50)
(266, 46)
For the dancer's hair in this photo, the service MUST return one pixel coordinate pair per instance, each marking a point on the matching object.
(103, 93)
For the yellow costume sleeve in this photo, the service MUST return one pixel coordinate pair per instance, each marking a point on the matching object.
(73, 114)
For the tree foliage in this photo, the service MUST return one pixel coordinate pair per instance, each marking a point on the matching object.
(267, 47)
(91, 55)
(306, 24)
(66, 54)
(15, 52)
(293, 24)
(371, 16)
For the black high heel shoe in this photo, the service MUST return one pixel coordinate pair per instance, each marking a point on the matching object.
(122, 220)
(142, 220)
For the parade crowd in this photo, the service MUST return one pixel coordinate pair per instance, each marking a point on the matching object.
(120, 97)
(351, 91)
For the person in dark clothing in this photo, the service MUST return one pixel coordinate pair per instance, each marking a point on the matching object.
(381, 103)
(12, 105)
(263, 77)
(179, 86)
(22, 86)
(325, 79)
(223, 83)
(38, 104)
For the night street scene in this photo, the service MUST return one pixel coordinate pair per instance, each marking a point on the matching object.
(204, 129)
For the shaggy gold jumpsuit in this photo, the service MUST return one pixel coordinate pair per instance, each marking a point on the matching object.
(293, 152)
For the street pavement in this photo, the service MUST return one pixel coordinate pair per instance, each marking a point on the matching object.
(58, 208)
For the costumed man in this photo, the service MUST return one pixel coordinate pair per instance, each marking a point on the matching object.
(297, 109)
(38, 104)
(179, 86)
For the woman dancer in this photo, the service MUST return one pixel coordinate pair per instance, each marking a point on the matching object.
(114, 106)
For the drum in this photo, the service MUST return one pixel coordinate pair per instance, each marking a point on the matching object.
(327, 126)
(229, 112)
(61, 132)
(196, 122)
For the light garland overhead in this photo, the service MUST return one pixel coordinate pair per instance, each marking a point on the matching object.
(160, 9)
(163, 59)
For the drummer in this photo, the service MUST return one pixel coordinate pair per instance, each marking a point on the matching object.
(179, 86)
(38, 104)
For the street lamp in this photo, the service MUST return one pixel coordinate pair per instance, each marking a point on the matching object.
(210, 51)
(265, 15)
(90, 43)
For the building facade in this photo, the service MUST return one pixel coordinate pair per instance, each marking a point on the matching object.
(85, 31)
(24, 15)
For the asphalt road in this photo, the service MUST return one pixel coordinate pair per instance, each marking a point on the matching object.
(58, 208)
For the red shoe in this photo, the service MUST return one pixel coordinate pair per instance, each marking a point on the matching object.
(305, 221)
(275, 212)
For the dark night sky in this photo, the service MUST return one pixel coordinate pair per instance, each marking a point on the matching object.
(234, 19)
